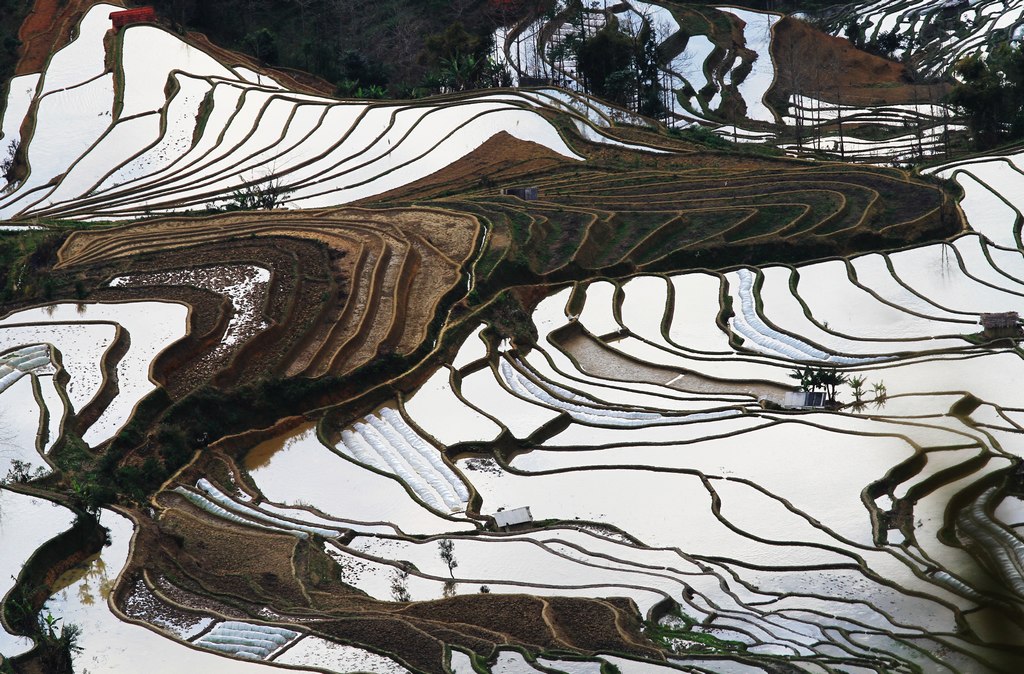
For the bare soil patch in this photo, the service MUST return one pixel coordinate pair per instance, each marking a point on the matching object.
(349, 284)
(816, 64)
(601, 360)
(502, 161)
(200, 562)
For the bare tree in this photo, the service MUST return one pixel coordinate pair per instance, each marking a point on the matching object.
(400, 585)
(834, 68)
(447, 551)
(794, 80)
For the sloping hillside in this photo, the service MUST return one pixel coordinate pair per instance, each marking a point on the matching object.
(503, 381)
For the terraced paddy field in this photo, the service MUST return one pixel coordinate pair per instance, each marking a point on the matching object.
(358, 282)
(611, 217)
(793, 82)
(503, 382)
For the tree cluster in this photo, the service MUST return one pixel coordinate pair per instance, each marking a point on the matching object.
(262, 195)
(991, 95)
(618, 64)
(883, 44)
(814, 378)
(364, 48)
(13, 12)
(458, 60)
(7, 162)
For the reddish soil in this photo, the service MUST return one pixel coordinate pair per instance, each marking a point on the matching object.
(47, 28)
(501, 160)
(830, 67)
(49, 25)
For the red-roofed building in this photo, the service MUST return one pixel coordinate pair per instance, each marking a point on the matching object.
(129, 16)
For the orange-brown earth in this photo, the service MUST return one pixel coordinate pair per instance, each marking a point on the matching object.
(196, 561)
(624, 211)
(816, 64)
(374, 289)
(353, 285)
(501, 160)
(47, 28)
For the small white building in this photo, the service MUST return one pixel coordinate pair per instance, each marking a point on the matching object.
(510, 518)
(803, 400)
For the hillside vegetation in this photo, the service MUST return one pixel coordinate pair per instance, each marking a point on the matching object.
(302, 354)
(385, 46)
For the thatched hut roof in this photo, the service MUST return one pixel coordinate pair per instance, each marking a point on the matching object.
(1002, 321)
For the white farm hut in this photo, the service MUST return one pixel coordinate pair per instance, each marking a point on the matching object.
(510, 518)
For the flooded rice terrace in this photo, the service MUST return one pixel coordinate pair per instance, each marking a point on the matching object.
(779, 468)
(886, 534)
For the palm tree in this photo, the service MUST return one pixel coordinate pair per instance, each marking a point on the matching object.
(831, 379)
(807, 378)
(812, 378)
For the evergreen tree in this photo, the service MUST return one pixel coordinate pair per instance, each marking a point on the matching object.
(991, 95)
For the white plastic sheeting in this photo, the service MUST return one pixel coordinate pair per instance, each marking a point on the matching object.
(246, 640)
(16, 364)
(577, 406)
(748, 324)
(388, 444)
